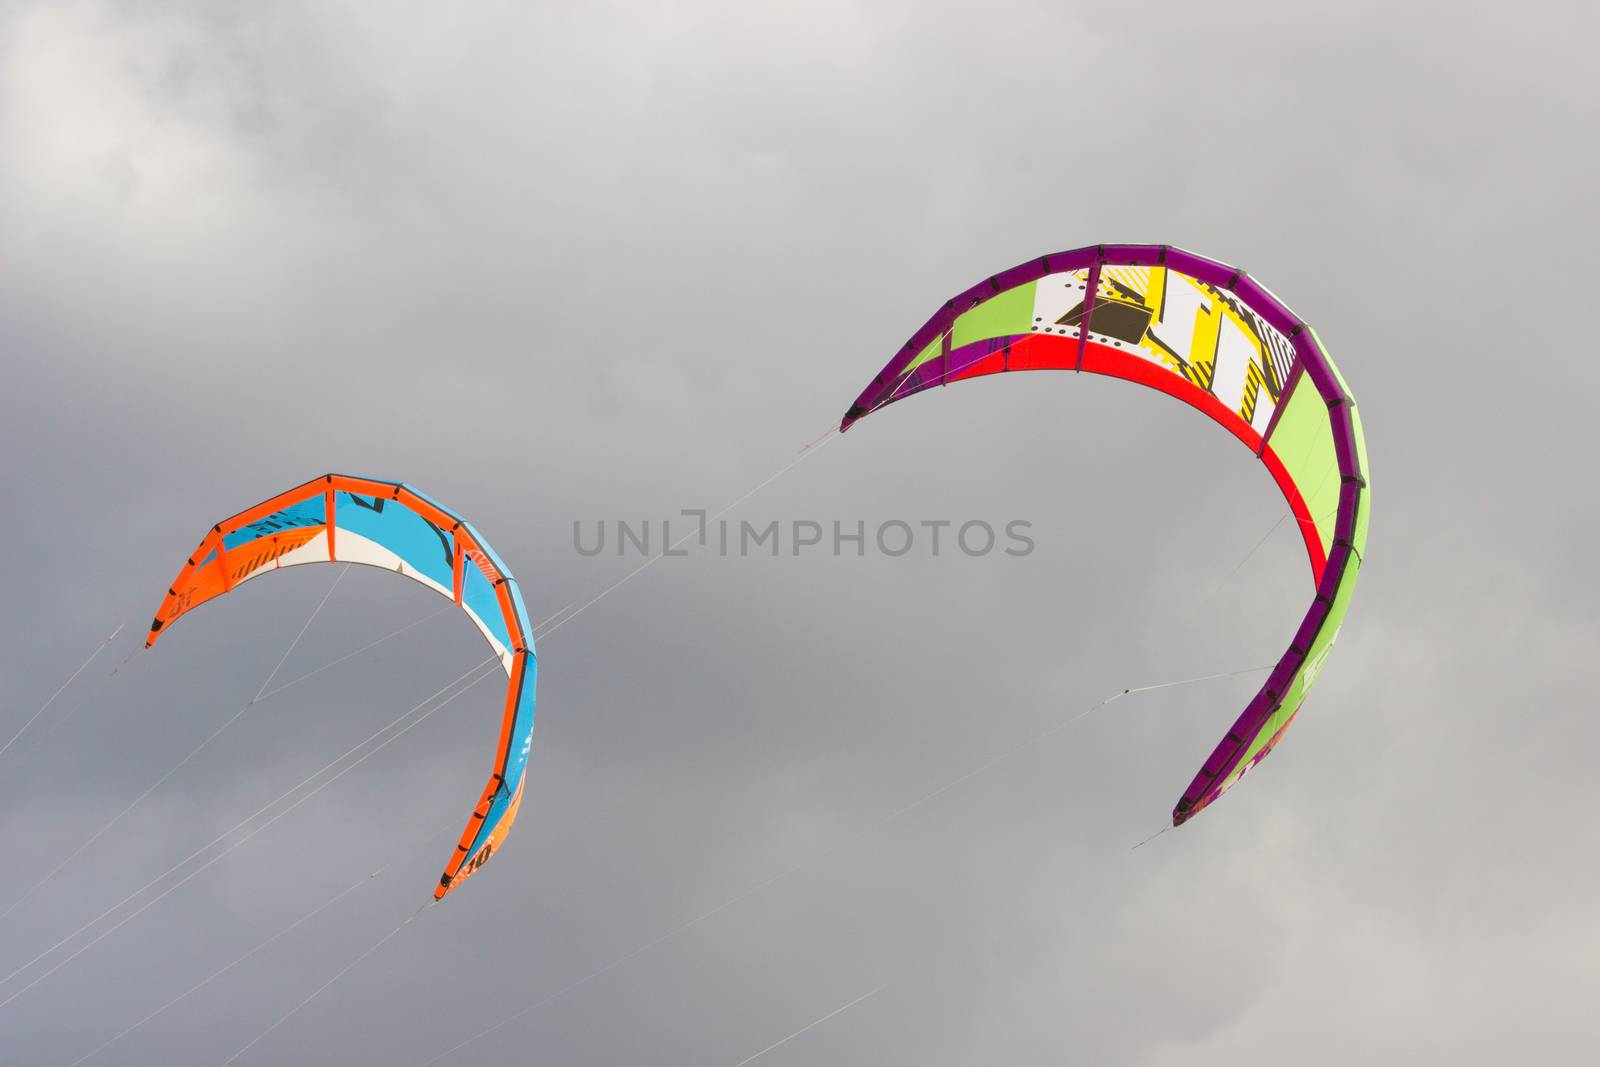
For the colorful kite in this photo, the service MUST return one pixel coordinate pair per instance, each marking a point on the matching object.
(337, 519)
(1216, 339)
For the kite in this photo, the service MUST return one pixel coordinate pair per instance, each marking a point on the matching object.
(339, 519)
(1216, 339)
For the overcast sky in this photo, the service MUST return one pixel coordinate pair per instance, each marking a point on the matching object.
(587, 262)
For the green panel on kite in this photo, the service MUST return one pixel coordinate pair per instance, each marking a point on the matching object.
(1303, 441)
(1007, 313)
(1364, 507)
(1359, 436)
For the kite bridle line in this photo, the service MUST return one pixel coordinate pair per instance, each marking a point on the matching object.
(62, 688)
(56, 722)
(894, 394)
(292, 644)
(351, 655)
(1168, 825)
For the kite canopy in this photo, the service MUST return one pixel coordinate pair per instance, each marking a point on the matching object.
(1216, 339)
(339, 519)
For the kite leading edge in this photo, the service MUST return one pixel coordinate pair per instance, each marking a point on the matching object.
(340, 519)
(1218, 340)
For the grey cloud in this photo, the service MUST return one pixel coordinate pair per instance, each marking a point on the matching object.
(557, 262)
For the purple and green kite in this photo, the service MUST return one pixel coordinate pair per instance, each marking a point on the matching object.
(1216, 339)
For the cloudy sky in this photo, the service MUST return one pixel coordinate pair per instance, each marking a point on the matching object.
(589, 262)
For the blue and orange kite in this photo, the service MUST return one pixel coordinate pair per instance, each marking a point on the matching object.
(340, 519)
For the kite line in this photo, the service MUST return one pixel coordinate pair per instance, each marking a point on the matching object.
(81, 668)
(545, 629)
(811, 1026)
(75, 853)
(866, 831)
(482, 672)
